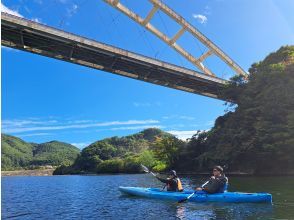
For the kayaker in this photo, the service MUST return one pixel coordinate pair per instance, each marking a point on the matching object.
(217, 183)
(173, 183)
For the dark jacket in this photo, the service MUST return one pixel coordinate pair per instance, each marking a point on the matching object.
(172, 184)
(216, 185)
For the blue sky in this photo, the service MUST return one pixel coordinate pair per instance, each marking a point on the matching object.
(45, 99)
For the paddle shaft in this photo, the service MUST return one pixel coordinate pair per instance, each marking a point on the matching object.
(195, 192)
(183, 200)
(152, 173)
(147, 170)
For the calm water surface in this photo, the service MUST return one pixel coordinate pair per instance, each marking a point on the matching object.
(97, 197)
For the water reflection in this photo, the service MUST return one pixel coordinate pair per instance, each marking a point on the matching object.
(223, 211)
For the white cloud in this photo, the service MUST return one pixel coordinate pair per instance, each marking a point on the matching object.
(27, 122)
(72, 10)
(207, 10)
(19, 126)
(135, 127)
(201, 18)
(81, 145)
(34, 134)
(9, 11)
(183, 135)
(37, 20)
(181, 117)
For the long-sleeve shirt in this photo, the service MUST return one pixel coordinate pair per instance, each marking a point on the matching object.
(216, 185)
(172, 184)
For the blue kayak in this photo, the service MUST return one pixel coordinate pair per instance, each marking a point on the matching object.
(236, 197)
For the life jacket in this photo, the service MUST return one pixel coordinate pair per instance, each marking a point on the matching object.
(180, 187)
(225, 186)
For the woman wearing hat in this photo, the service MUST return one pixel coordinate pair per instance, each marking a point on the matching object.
(173, 183)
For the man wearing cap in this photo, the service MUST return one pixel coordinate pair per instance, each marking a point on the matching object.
(173, 183)
(217, 183)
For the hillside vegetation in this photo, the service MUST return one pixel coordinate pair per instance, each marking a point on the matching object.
(257, 135)
(18, 154)
(120, 154)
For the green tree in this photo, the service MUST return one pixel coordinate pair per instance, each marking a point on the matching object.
(167, 149)
(257, 134)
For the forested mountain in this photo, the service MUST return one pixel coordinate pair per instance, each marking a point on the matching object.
(257, 135)
(118, 154)
(18, 154)
(15, 153)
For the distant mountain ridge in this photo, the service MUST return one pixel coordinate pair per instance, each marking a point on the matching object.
(18, 154)
(116, 154)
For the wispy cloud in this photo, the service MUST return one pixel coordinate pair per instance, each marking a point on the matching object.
(37, 20)
(19, 126)
(200, 18)
(207, 10)
(146, 104)
(21, 123)
(135, 127)
(81, 145)
(9, 11)
(72, 10)
(183, 135)
(34, 134)
(181, 117)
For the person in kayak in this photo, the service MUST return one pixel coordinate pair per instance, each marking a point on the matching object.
(217, 183)
(173, 183)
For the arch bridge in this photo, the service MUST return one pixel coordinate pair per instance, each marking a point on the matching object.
(30, 36)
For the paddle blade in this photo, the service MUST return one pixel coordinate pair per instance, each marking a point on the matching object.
(145, 169)
(183, 200)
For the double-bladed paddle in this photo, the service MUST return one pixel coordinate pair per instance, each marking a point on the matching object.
(147, 170)
(183, 200)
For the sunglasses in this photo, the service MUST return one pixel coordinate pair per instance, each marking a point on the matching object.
(215, 170)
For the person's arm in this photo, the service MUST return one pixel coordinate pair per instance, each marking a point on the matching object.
(202, 186)
(214, 186)
(162, 180)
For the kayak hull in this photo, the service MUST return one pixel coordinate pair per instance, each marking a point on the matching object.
(230, 197)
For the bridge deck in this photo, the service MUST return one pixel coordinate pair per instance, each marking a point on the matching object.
(37, 38)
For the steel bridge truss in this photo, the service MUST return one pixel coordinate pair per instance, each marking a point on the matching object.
(212, 49)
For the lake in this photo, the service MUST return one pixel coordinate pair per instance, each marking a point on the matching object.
(97, 197)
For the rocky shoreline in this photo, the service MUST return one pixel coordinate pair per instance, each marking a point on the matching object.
(36, 172)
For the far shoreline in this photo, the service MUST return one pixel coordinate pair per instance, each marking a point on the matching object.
(49, 172)
(36, 172)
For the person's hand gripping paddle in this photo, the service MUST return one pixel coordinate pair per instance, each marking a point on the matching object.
(188, 197)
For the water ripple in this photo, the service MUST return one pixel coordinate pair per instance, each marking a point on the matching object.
(97, 197)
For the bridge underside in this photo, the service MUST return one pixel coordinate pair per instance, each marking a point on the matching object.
(37, 38)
